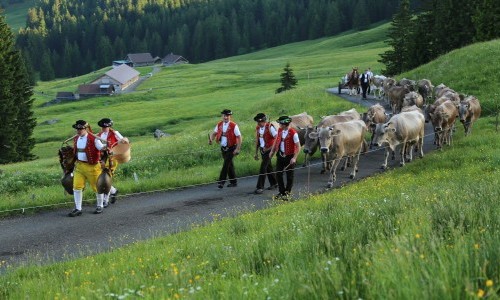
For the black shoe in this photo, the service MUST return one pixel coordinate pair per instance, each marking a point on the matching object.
(272, 187)
(220, 185)
(278, 196)
(112, 197)
(259, 191)
(75, 213)
(98, 210)
(232, 185)
(105, 204)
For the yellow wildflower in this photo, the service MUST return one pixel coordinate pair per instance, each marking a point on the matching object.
(489, 283)
(480, 293)
(418, 235)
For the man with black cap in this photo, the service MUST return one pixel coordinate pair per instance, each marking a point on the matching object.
(266, 135)
(287, 147)
(228, 135)
(87, 168)
(112, 137)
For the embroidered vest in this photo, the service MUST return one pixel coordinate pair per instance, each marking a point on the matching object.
(111, 139)
(267, 136)
(289, 144)
(229, 134)
(93, 155)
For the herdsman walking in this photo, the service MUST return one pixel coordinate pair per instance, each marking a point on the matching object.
(266, 135)
(87, 167)
(287, 148)
(112, 137)
(227, 134)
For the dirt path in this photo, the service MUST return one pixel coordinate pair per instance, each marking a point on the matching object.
(52, 236)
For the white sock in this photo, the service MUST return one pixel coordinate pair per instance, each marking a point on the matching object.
(112, 190)
(78, 195)
(99, 199)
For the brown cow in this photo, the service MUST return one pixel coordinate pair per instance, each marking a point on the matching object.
(469, 112)
(386, 86)
(443, 121)
(299, 123)
(425, 88)
(396, 95)
(405, 130)
(413, 98)
(341, 140)
(374, 115)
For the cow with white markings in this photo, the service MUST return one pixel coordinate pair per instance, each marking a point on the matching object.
(469, 111)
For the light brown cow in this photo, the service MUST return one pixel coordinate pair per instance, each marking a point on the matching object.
(396, 95)
(341, 140)
(375, 115)
(469, 112)
(443, 121)
(299, 123)
(386, 86)
(404, 130)
(311, 145)
(413, 98)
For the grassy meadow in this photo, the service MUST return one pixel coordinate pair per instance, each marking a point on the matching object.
(430, 230)
(186, 101)
(15, 14)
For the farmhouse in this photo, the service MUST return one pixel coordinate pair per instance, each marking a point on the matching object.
(173, 59)
(141, 59)
(93, 90)
(120, 77)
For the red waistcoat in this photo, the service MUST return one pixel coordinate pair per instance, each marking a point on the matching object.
(268, 137)
(229, 134)
(111, 140)
(93, 154)
(289, 144)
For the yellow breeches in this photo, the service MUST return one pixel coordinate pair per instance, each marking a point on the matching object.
(114, 165)
(86, 172)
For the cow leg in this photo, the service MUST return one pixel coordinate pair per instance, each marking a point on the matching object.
(333, 175)
(355, 163)
(387, 149)
(403, 152)
(421, 146)
(345, 165)
(410, 152)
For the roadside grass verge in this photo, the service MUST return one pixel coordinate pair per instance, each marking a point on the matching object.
(428, 230)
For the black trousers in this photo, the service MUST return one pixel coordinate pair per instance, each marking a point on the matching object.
(266, 166)
(282, 163)
(228, 166)
(364, 88)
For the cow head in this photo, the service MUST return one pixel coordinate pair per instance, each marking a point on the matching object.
(310, 139)
(325, 136)
(382, 133)
(464, 111)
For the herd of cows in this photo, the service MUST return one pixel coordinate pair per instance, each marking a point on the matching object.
(413, 104)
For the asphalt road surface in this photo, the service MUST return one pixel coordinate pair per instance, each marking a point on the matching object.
(52, 236)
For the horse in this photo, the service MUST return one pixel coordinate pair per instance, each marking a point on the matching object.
(353, 82)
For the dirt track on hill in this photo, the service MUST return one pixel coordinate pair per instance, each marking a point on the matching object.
(52, 236)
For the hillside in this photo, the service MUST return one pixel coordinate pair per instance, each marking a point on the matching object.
(16, 13)
(429, 230)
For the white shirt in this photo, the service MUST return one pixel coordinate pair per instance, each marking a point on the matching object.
(273, 132)
(223, 139)
(284, 134)
(81, 144)
(104, 135)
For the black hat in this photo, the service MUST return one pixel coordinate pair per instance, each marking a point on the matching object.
(106, 122)
(260, 117)
(284, 120)
(80, 124)
(226, 112)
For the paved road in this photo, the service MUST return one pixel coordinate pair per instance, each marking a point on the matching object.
(51, 235)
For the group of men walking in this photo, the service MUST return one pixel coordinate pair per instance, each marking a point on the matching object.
(284, 142)
(88, 150)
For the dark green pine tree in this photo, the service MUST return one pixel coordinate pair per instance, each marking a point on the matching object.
(288, 80)
(400, 35)
(16, 118)
(486, 20)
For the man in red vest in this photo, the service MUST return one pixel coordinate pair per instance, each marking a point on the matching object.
(87, 167)
(287, 148)
(112, 138)
(266, 135)
(228, 135)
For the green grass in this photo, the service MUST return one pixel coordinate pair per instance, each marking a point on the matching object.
(15, 14)
(429, 230)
